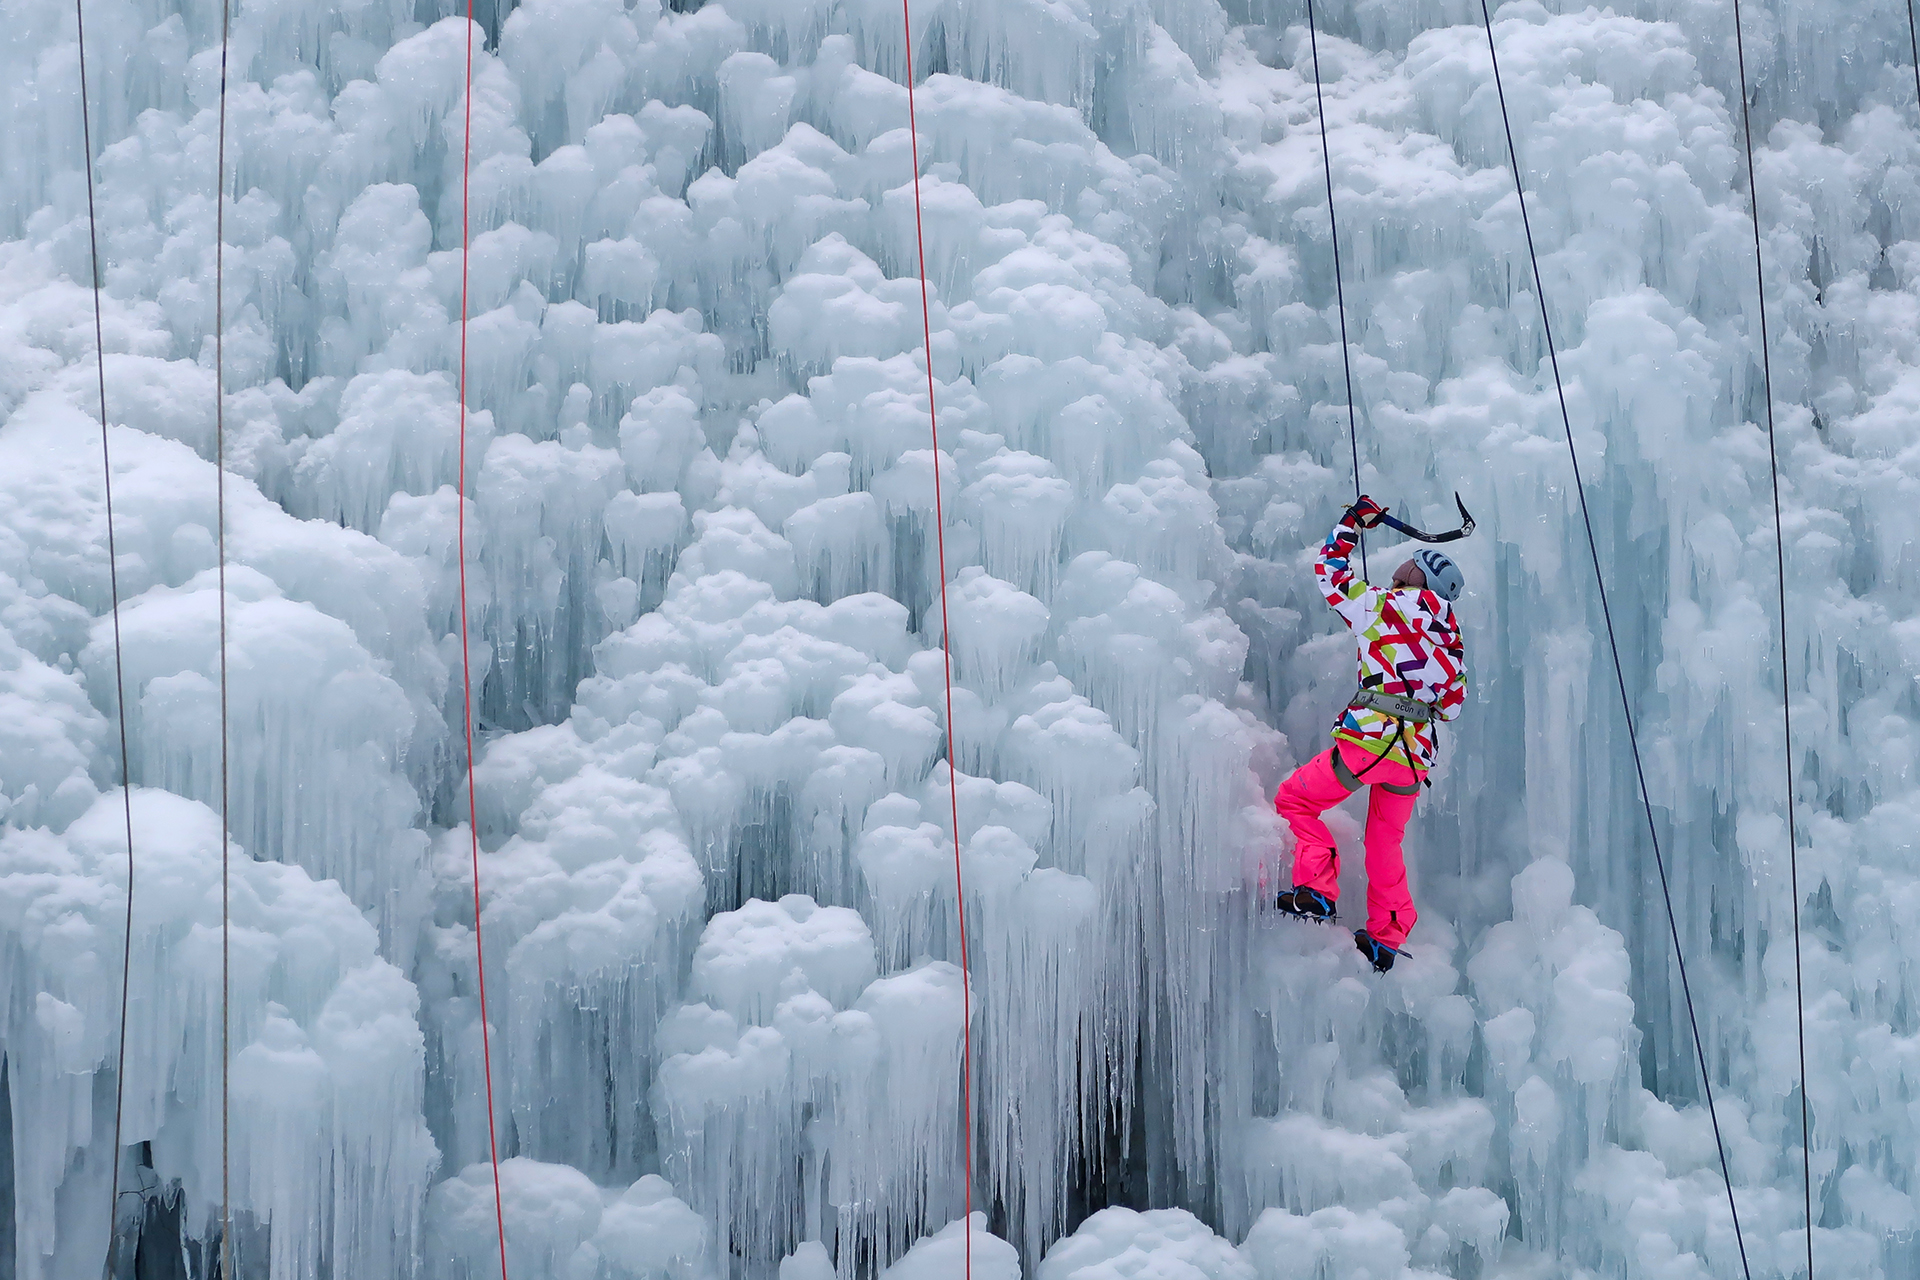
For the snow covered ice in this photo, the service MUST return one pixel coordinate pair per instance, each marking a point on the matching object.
(717, 822)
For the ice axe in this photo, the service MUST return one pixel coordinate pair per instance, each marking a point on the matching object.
(1451, 535)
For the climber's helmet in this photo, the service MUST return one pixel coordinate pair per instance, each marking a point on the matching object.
(1433, 570)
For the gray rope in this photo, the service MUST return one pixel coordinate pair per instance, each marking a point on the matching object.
(1613, 644)
(1913, 38)
(220, 519)
(1339, 289)
(1786, 695)
(119, 676)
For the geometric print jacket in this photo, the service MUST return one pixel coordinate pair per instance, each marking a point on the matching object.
(1410, 645)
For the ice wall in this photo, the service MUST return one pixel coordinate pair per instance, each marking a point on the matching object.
(717, 826)
(330, 1158)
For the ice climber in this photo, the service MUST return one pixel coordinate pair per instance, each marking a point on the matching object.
(1412, 673)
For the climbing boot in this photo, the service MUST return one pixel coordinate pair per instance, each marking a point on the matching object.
(1306, 904)
(1378, 953)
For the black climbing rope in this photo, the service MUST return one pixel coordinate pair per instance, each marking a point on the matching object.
(113, 590)
(1780, 565)
(1339, 289)
(1613, 645)
(1913, 38)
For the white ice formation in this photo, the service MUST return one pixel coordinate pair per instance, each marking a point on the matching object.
(717, 830)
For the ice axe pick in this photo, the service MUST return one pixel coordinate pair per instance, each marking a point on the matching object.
(1451, 535)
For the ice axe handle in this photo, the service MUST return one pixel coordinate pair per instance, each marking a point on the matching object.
(1451, 535)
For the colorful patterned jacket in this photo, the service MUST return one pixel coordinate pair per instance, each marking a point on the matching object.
(1410, 645)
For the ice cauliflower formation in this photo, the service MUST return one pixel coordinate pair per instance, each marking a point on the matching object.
(717, 825)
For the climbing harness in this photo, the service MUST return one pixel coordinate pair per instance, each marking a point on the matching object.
(1393, 704)
(1613, 645)
(466, 657)
(946, 665)
(1339, 288)
(1351, 780)
(119, 678)
(1780, 565)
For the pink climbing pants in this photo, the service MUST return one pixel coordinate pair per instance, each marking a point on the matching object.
(1312, 790)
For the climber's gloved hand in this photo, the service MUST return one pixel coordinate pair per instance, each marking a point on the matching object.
(1366, 513)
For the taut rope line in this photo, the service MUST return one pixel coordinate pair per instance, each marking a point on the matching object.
(466, 660)
(946, 666)
(113, 587)
(220, 520)
(1786, 693)
(1339, 289)
(1613, 644)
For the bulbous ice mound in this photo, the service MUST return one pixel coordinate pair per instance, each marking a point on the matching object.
(768, 683)
(329, 1151)
(560, 1223)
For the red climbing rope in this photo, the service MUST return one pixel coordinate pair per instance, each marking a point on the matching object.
(946, 662)
(466, 660)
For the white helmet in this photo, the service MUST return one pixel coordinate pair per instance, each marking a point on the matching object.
(1443, 575)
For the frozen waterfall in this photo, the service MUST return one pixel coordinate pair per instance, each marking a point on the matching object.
(727, 811)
